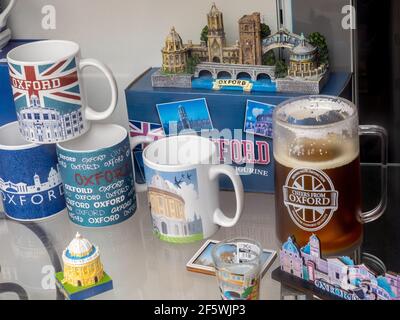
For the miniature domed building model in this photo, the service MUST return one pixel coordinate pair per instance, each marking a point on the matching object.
(302, 59)
(174, 53)
(82, 265)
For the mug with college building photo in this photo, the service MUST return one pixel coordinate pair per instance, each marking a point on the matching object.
(183, 188)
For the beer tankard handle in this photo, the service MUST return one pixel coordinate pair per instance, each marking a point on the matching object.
(90, 113)
(219, 217)
(135, 141)
(378, 211)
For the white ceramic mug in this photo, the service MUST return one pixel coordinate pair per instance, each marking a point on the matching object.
(183, 188)
(51, 104)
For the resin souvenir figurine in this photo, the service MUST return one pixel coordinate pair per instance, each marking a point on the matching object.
(249, 64)
(83, 275)
(5, 33)
(334, 278)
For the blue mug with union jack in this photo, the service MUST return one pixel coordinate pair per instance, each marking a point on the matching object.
(50, 101)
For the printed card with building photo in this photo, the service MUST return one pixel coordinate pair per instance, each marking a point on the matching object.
(258, 119)
(202, 261)
(185, 115)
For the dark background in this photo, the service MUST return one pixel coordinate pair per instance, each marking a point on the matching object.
(378, 71)
(378, 26)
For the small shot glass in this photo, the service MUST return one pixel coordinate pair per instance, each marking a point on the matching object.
(238, 268)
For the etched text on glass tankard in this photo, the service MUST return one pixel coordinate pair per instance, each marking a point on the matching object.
(317, 172)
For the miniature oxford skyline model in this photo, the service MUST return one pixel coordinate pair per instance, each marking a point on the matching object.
(251, 64)
(333, 278)
(83, 276)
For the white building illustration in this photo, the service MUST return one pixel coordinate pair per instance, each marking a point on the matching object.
(48, 125)
(53, 180)
(168, 210)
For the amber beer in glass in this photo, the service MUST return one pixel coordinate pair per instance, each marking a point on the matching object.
(317, 172)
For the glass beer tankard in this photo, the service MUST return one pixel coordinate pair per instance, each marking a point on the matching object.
(317, 172)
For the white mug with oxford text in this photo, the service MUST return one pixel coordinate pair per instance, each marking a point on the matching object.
(50, 101)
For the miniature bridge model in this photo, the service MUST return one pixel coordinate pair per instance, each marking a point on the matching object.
(281, 39)
(234, 71)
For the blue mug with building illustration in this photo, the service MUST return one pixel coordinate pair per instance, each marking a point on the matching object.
(30, 183)
(46, 78)
(183, 188)
(98, 176)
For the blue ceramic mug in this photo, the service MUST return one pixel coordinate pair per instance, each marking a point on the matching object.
(98, 176)
(30, 183)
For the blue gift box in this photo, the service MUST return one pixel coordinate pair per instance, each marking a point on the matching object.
(7, 109)
(227, 110)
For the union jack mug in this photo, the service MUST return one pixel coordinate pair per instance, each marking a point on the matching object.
(50, 101)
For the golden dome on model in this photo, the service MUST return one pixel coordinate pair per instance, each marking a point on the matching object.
(174, 53)
(82, 265)
(173, 40)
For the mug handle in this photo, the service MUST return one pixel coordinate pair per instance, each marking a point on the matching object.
(219, 217)
(135, 141)
(89, 112)
(379, 210)
(7, 10)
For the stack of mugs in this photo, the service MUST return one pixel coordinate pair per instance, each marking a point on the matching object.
(53, 114)
(58, 156)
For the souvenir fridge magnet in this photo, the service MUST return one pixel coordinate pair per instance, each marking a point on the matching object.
(258, 118)
(202, 261)
(83, 276)
(188, 115)
(332, 278)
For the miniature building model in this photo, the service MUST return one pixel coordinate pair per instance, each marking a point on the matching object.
(250, 39)
(174, 53)
(214, 59)
(302, 61)
(216, 35)
(247, 50)
(82, 265)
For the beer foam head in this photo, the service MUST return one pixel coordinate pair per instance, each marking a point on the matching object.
(315, 111)
(320, 154)
(316, 131)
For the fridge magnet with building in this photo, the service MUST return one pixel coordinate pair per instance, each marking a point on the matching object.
(83, 276)
(332, 278)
